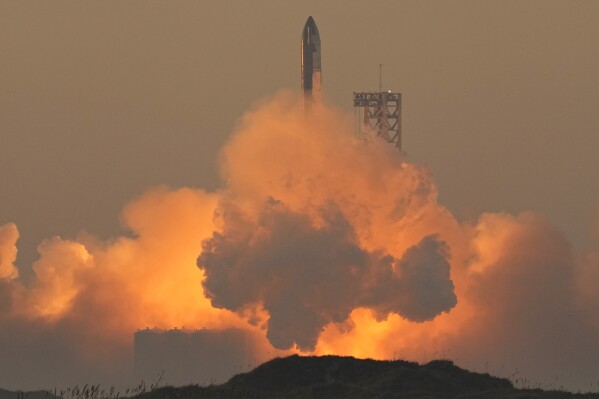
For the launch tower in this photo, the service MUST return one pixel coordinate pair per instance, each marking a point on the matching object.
(380, 112)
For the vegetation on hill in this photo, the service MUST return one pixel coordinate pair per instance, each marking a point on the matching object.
(332, 377)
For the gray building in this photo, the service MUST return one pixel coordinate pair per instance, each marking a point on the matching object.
(184, 357)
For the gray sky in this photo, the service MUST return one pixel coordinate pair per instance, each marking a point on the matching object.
(103, 99)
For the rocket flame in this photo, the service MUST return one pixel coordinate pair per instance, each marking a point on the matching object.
(318, 241)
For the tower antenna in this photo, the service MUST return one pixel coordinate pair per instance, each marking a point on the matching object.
(380, 112)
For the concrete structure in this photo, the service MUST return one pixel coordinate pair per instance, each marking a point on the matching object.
(192, 356)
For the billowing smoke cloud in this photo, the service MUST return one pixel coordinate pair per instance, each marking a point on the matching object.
(74, 321)
(308, 276)
(316, 222)
(520, 311)
(318, 241)
(523, 284)
(418, 288)
(8, 251)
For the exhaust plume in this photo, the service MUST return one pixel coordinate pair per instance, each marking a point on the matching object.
(317, 242)
(308, 276)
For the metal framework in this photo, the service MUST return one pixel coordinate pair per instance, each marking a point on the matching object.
(381, 112)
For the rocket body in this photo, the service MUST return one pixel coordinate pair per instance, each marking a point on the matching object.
(310, 64)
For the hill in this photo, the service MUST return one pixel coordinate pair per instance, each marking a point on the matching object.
(333, 377)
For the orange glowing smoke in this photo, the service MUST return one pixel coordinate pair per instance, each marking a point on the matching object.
(516, 282)
(8, 251)
(110, 289)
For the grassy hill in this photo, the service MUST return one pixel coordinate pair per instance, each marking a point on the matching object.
(333, 377)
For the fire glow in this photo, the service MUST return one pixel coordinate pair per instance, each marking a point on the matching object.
(318, 242)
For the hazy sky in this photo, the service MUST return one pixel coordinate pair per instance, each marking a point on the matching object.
(101, 100)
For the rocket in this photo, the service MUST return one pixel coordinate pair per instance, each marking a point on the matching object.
(310, 64)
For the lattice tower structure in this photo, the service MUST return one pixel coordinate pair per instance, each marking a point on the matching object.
(380, 112)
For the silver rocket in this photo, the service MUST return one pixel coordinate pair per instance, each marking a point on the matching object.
(311, 72)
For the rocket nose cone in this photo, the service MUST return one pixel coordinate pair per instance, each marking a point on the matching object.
(310, 25)
(310, 30)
